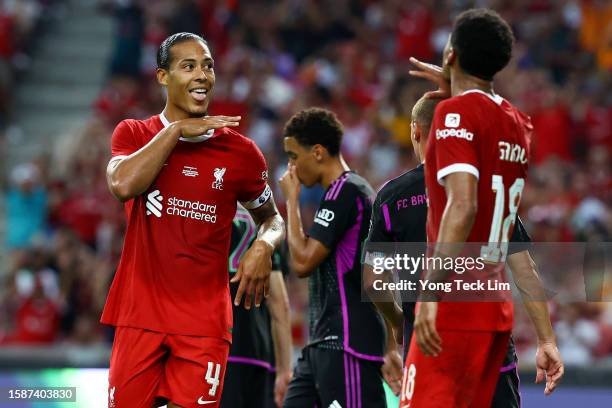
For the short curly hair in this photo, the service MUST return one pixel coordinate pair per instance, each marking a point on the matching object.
(316, 126)
(482, 41)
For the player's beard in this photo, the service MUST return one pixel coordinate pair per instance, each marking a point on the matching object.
(196, 115)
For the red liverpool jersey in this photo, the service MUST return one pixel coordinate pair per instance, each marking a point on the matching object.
(486, 136)
(172, 277)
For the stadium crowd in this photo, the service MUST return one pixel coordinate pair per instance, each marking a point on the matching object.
(64, 233)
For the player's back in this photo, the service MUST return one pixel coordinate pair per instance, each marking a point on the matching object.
(398, 215)
(486, 136)
(400, 209)
(505, 153)
(499, 136)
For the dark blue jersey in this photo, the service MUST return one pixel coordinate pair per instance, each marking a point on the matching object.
(339, 319)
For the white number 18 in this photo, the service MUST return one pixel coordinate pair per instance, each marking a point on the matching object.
(496, 250)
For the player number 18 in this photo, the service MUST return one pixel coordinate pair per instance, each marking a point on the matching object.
(408, 382)
(497, 247)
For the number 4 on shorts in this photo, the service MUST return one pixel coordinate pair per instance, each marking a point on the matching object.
(211, 379)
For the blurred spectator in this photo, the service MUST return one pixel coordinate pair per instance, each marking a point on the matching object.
(26, 207)
(127, 51)
(36, 319)
(577, 336)
(19, 20)
(32, 298)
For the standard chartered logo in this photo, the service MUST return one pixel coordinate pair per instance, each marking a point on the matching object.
(195, 210)
(154, 203)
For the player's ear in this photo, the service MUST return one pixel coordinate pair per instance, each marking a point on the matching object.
(162, 76)
(450, 57)
(416, 134)
(318, 151)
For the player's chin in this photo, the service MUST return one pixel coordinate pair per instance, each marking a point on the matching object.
(197, 109)
(307, 183)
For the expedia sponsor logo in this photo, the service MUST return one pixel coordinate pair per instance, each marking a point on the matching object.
(458, 133)
(452, 120)
(324, 217)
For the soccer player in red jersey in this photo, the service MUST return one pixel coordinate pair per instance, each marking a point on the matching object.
(180, 174)
(475, 170)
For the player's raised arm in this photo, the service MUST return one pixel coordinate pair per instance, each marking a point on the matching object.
(306, 253)
(130, 175)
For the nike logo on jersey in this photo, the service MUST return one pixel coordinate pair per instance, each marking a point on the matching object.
(203, 402)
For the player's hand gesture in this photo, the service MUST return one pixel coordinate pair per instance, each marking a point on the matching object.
(392, 370)
(254, 274)
(427, 337)
(281, 384)
(290, 184)
(198, 126)
(549, 366)
(432, 73)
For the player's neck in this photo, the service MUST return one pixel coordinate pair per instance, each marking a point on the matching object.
(335, 168)
(461, 82)
(173, 114)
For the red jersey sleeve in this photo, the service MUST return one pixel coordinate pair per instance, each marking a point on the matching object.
(454, 132)
(123, 142)
(255, 192)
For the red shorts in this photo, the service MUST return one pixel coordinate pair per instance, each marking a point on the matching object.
(463, 375)
(149, 368)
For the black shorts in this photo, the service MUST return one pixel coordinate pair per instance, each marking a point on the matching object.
(333, 378)
(507, 393)
(247, 386)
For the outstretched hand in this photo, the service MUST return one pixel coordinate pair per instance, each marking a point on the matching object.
(432, 73)
(194, 127)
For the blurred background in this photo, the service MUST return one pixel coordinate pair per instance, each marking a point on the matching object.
(70, 70)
